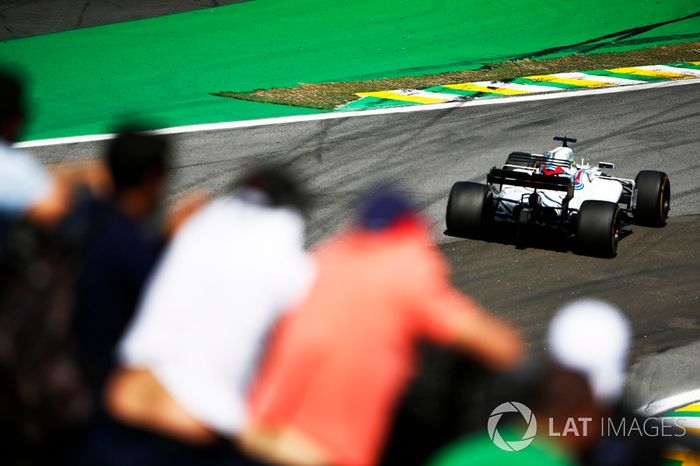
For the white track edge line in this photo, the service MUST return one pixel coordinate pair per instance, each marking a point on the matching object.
(672, 402)
(362, 113)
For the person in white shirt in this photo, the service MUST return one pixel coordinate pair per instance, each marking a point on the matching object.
(192, 349)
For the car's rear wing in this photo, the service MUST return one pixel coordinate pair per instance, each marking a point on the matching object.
(531, 180)
(523, 159)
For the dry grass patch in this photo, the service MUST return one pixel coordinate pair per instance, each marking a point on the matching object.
(328, 96)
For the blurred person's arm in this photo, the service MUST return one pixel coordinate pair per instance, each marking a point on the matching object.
(48, 211)
(62, 180)
(487, 337)
(448, 316)
(134, 396)
(287, 447)
(29, 190)
(183, 208)
(92, 174)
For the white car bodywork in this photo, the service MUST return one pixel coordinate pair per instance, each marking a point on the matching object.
(590, 183)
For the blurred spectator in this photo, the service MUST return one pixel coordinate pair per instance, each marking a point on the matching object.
(593, 338)
(43, 401)
(342, 358)
(560, 394)
(121, 247)
(27, 189)
(187, 358)
(588, 343)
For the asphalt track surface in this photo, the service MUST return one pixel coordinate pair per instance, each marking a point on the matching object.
(655, 276)
(25, 18)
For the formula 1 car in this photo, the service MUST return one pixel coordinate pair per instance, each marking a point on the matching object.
(550, 190)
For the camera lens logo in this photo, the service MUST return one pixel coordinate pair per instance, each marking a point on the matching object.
(513, 445)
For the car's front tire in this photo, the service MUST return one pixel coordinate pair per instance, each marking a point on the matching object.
(468, 209)
(653, 194)
(598, 228)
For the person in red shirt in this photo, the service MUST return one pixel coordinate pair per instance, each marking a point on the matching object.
(337, 364)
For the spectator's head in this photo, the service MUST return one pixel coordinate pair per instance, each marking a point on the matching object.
(11, 107)
(560, 395)
(588, 343)
(593, 338)
(273, 186)
(385, 207)
(138, 163)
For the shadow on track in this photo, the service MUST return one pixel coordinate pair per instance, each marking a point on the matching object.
(524, 237)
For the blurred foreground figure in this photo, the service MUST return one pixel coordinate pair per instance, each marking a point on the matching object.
(27, 188)
(583, 378)
(593, 338)
(43, 401)
(234, 266)
(340, 360)
(121, 247)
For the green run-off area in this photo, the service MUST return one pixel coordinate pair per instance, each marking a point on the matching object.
(164, 69)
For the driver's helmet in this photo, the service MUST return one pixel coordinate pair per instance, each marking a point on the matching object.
(560, 154)
(563, 154)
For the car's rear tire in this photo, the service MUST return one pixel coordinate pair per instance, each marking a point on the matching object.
(653, 191)
(468, 209)
(598, 228)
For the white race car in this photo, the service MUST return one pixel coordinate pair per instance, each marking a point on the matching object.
(552, 190)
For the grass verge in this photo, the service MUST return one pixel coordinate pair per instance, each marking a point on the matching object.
(327, 96)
